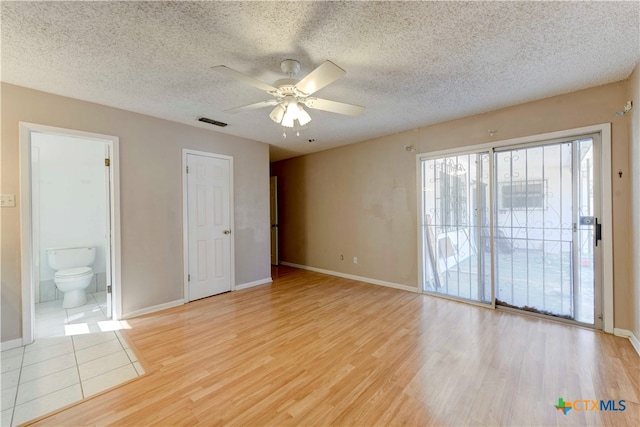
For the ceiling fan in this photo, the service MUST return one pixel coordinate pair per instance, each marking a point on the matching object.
(290, 95)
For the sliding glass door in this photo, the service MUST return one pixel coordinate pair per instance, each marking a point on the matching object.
(538, 234)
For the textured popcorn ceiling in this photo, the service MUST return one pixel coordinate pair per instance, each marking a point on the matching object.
(410, 63)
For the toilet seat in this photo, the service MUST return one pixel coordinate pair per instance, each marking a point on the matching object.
(73, 273)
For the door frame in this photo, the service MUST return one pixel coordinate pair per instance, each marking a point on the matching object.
(26, 219)
(606, 199)
(35, 219)
(273, 212)
(185, 218)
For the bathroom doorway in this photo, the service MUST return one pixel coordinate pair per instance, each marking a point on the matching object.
(69, 191)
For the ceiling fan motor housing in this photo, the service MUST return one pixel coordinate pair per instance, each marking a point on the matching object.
(290, 66)
(286, 86)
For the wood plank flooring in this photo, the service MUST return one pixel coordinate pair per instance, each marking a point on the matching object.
(312, 349)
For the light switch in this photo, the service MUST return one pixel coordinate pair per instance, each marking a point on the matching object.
(8, 200)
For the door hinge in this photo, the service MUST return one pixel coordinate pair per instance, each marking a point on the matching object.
(187, 169)
(188, 277)
(109, 289)
(107, 162)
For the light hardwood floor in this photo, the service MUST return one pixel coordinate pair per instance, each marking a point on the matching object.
(312, 349)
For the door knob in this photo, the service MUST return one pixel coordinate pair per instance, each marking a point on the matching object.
(227, 231)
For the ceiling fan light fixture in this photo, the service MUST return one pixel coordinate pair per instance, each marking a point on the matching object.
(303, 116)
(277, 114)
(291, 114)
(287, 123)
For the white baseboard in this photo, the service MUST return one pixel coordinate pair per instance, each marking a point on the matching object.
(625, 333)
(153, 309)
(8, 345)
(353, 277)
(178, 302)
(254, 283)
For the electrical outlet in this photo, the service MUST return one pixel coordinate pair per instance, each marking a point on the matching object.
(355, 259)
(8, 200)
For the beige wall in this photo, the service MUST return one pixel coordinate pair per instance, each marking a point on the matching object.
(360, 200)
(634, 160)
(151, 196)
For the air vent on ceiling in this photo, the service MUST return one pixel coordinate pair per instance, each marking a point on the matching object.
(212, 122)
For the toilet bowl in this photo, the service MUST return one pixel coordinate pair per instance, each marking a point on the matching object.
(73, 274)
(73, 284)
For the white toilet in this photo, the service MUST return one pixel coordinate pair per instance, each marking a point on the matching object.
(73, 274)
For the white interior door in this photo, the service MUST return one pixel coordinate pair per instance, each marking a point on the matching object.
(209, 225)
(273, 193)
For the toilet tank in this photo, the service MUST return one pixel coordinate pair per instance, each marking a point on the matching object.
(64, 258)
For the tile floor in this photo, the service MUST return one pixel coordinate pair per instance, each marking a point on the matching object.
(77, 353)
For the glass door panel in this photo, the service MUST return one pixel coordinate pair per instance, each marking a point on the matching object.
(544, 229)
(455, 226)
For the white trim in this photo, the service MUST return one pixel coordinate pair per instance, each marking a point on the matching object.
(625, 333)
(35, 218)
(353, 277)
(419, 223)
(26, 258)
(185, 229)
(185, 218)
(28, 302)
(154, 308)
(604, 130)
(116, 272)
(254, 283)
(606, 200)
(11, 344)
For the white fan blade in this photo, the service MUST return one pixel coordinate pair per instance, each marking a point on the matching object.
(326, 73)
(253, 106)
(243, 78)
(334, 106)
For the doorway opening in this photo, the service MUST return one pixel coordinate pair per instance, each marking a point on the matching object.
(70, 215)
